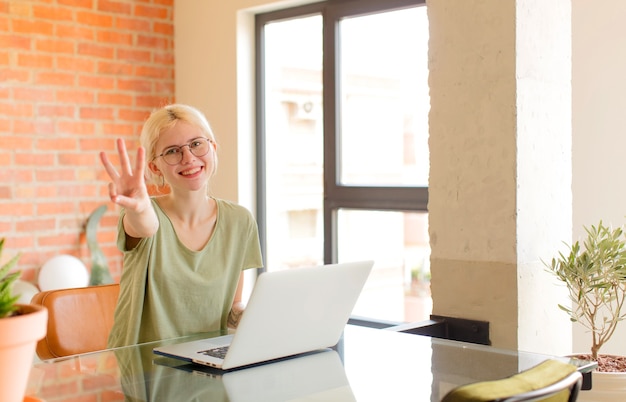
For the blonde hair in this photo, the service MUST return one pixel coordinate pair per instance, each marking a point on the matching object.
(165, 118)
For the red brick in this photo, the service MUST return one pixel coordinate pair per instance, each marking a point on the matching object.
(165, 87)
(16, 110)
(155, 72)
(96, 50)
(16, 142)
(110, 235)
(115, 99)
(78, 191)
(54, 46)
(138, 85)
(15, 42)
(74, 96)
(77, 3)
(24, 192)
(33, 94)
(54, 78)
(33, 225)
(75, 32)
(75, 127)
(56, 110)
(154, 42)
(94, 19)
(57, 144)
(114, 7)
(35, 60)
(114, 37)
(99, 113)
(89, 207)
(31, 27)
(112, 396)
(166, 58)
(164, 28)
(80, 159)
(151, 12)
(95, 81)
(34, 159)
(134, 55)
(5, 192)
(119, 129)
(90, 191)
(8, 75)
(17, 208)
(117, 68)
(76, 64)
(132, 24)
(15, 175)
(45, 12)
(88, 174)
(133, 115)
(46, 191)
(96, 144)
(151, 101)
(31, 127)
(54, 175)
(54, 208)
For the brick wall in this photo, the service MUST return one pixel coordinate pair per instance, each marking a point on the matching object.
(74, 76)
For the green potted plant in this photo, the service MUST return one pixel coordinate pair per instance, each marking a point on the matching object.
(21, 326)
(100, 274)
(595, 276)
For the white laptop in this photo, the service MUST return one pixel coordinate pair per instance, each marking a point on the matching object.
(289, 312)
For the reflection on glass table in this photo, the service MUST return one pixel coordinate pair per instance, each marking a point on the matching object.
(367, 365)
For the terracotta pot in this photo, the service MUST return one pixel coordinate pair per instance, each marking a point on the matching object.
(18, 338)
(605, 387)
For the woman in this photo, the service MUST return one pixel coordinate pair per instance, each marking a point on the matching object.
(184, 251)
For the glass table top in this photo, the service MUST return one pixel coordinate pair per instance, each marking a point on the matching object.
(366, 365)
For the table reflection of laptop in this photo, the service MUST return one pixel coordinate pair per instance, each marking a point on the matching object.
(289, 312)
(318, 376)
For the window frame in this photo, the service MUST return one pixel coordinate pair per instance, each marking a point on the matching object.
(336, 195)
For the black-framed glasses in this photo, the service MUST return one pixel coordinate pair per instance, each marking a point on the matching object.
(174, 155)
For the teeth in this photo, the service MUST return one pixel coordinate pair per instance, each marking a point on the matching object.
(191, 171)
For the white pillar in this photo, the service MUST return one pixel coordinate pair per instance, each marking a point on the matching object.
(500, 184)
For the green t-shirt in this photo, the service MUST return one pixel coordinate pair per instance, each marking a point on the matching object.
(167, 290)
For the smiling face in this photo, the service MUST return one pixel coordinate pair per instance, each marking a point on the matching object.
(193, 172)
(183, 119)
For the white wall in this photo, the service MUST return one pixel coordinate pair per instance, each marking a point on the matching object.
(599, 126)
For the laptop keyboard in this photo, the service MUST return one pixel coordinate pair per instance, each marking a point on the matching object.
(218, 352)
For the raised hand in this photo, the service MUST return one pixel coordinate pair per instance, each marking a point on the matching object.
(127, 188)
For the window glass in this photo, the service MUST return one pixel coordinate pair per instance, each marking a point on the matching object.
(294, 143)
(384, 99)
(399, 286)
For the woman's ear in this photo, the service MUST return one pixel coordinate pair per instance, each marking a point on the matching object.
(154, 168)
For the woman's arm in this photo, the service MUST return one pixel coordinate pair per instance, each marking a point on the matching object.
(237, 308)
(128, 189)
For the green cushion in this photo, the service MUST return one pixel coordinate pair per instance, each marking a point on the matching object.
(540, 376)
